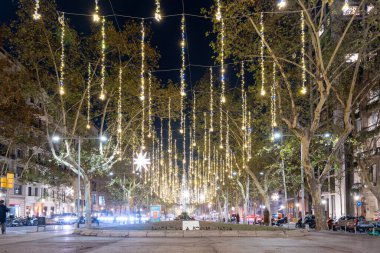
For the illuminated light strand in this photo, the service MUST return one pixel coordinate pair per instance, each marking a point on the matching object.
(222, 69)
(273, 100)
(62, 63)
(221, 126)
(211, 102)
(227, 137)
(89, 80)
(194, 120)
(242, 73)
(103, 59)
(36, 14)
(119, 116)
(95, 16)
(150, 119)
(303, 88)
(244, 116)
(218, 14)
(262, 65)
(182, 74)
(142, 84)
(157, 14)
(249, 136)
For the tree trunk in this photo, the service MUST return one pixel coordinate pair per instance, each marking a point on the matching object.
(268, 207)
(87, 197)
(319, 210)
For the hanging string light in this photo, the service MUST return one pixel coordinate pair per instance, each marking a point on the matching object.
(222, 70)
(62, 64)
(303, 89)
(150, 120)
(273, 93)
(142, 86)
(119, 116)
(220, 126)
(262, 92)
(88, 126)
(211, 102)
(273, 101)
(157, 14)
(95, 16)
(182, 73)
(194, 120)
(103, 59)
(218, 14)
(36, 14)
(242, 73)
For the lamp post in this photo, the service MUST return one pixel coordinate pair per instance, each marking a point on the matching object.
(57, 139)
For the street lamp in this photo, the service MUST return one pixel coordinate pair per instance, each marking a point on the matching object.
(281, 4)
(57, 138)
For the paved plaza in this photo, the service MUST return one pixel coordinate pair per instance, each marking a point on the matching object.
(63, 241)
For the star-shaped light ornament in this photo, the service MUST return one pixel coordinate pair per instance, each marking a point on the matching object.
(141, 161)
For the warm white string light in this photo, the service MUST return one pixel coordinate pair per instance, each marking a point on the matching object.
(150, 119)
(303, 89)
(262, 92)
(194, 121)
(242, 73)
(89, 80)
(211, 102)
(142, 86)
(273, 101)
(119, 116)
(36, 14)
(62, 64)
(103, 59)
(182, 74)
(95, 16)
(220, 126)
(157, 14)
(218, 14)
(222, 69)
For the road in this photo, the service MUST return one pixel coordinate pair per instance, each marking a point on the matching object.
(62, 241)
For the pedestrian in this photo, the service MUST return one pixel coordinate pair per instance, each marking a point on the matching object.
(3, 216)
(237, 219)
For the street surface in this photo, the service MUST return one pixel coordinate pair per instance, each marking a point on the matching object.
(60, 240)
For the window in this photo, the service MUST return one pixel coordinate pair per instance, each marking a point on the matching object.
(94, 199)
(102, 201)
(373, 96)
(369, 8)
(350, 10)
(321, 30)
(358, 124)
(36, 191)
(373, 174)
(29, 191)
(17, 189)
(350, 58)
(373, 121)
(19, 171)
(19, 153)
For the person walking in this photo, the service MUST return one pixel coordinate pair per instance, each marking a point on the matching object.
(3, 216)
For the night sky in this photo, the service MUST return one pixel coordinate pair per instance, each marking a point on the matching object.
(166, 34)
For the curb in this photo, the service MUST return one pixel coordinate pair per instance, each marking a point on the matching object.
(189, 234)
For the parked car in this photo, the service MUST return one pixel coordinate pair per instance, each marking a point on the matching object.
(66, 218)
